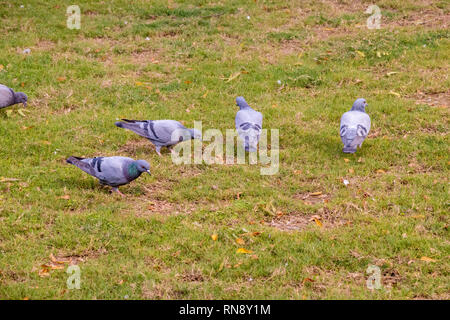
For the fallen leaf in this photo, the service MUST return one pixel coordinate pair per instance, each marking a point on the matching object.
(427, 259)
(381, 171)
(350, 170)
(307, 280)
(61, 79)
(395, 94)
(233, 76)
(315, 194)
(65, 197)
(346, 160)
(240, 241)
(317, 221)
(214, 237)
(361, 54)
(2, 179)
(242, 250)
(297, 172)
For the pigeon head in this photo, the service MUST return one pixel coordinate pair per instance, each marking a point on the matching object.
(240, 101)
(195, 134)
(359, 105)
(143, 166)
(20, 97)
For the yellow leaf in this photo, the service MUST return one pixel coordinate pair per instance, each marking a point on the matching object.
(1, 67)
(346, 160)
(361, 54)
(350, 170)
(315, 194)
(138, 83)
(61, 79)
(240, 241)
(214, 237)
(317, 221)
(381, 171)
(242, 250)
(234, 76)
(427, 259)
(391, 73)
(395, 94)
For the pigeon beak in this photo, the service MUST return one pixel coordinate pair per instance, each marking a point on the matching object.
(148, 171)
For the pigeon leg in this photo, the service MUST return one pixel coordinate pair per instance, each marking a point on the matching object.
(118, 191)
(171, 149)
(158, 150)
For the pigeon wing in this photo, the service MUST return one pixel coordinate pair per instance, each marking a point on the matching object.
(112, 170)
(6, 96)
(164, 129)
(83, 164)
(354, 128)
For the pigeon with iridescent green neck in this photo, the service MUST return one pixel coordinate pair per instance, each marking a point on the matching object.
(8, 97)
(112, 171)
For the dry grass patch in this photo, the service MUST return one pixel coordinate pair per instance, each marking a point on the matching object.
(295, 221)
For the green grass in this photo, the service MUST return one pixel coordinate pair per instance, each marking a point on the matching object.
(156, 243)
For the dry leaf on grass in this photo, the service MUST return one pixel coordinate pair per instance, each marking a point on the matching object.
(427, 259)
(242, 250)
(214, 237)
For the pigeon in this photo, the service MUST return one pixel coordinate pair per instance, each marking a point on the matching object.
(355, 126)
(8, 97)
(112, 171)
(248, 124)
(162, 133)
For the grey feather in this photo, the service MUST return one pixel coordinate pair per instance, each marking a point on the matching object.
(248, 124)
(111, 171)
(354, 127)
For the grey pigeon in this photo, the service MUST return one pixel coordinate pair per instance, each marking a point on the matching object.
(248, 124)
(8, 97)
(355, 126)
(162, 133)
(112, 171)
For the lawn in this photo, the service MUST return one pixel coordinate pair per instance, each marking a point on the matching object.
(204, 231)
